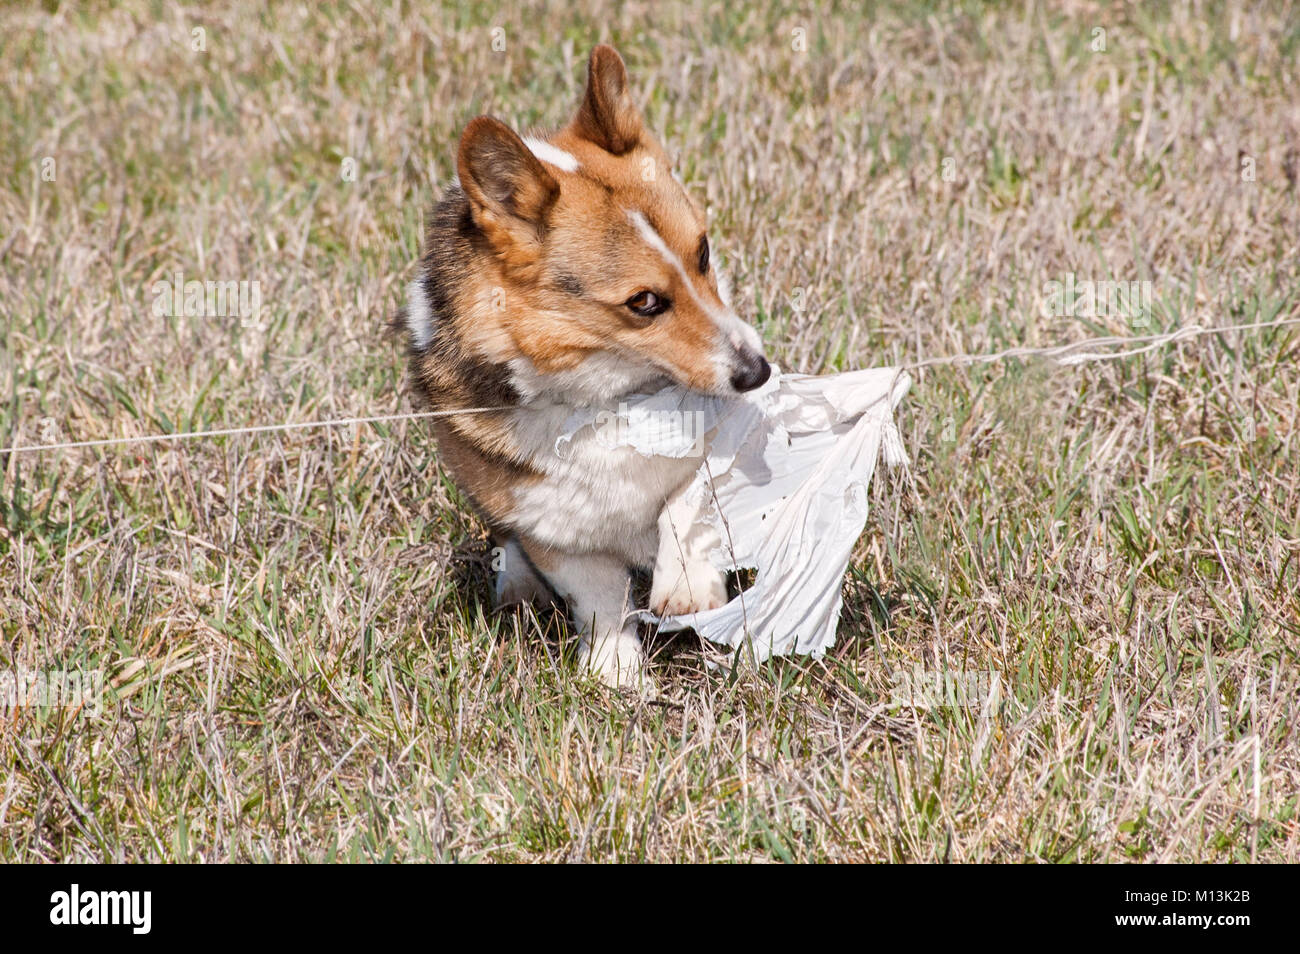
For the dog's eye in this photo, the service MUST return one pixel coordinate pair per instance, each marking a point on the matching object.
(704, 255)
(648, 304)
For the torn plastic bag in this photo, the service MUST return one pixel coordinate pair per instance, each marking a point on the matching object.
(784, 479)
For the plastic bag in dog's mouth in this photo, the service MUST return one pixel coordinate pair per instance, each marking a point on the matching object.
(783, 477)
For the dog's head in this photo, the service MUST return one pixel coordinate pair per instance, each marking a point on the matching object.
(607, 278)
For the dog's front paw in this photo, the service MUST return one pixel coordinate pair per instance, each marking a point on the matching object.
(615, 659)
(692, 588)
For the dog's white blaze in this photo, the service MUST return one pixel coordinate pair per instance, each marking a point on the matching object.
(557, 157)
(724, 286)
(419, 316)
(736, 331)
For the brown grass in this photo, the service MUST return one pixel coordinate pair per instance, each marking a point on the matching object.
(295, 629)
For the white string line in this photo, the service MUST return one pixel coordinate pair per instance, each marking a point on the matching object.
(259, 429)
(1066, 354)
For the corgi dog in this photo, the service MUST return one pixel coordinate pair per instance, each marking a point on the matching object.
(562, 273)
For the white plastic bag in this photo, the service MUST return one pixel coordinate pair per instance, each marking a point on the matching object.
(784, 479)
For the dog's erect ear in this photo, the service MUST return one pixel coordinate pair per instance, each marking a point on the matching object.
(607, 116)
(506, 184)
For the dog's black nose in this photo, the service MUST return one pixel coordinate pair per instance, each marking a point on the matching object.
(753, 372)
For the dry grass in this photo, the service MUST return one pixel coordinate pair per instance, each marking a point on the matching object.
(295, 628)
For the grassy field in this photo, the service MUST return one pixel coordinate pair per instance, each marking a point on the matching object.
(294, 630)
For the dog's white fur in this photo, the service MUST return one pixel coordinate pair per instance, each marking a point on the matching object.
(603, 509)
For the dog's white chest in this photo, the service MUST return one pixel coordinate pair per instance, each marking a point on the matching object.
(592, 496)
